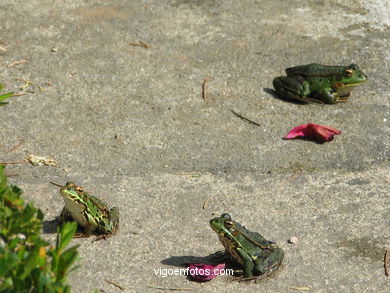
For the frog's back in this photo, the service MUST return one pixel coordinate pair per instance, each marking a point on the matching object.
(251, 236)
(98, 202)
(314, 69)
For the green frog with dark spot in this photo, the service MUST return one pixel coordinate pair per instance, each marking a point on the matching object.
(88, 211)
(258, 257)
(319, 83)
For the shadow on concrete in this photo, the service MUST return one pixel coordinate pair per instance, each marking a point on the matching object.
(50, 227)
(183, 261)
(274, 95)
(304, 101)
(307, 139)
(212, 259)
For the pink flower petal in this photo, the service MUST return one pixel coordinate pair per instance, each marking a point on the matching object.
(205, 272)
(313, 131)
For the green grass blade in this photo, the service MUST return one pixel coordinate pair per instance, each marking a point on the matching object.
(6, 96)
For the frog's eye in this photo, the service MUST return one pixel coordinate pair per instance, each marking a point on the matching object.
(79, 189)
(348, 72)
(226, 217)
(70, 184)
(353, 66)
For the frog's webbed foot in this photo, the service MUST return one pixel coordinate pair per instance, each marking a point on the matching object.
(100, 237)
(256, 278)
(80, 235)
(308, 100)
(343, 99)
(103, 236)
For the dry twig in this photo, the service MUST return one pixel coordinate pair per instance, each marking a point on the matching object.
(14, 163)
(140, 44)
(116, 285)
(56, 184)
(19, 94)
(206, 203)
(300, 288)
(294, 176)
(190, 174)
(17, 62)
(245, 119)
(11, 175)
(14, 147)
(168, 288)
(204, 89)
(385, 261)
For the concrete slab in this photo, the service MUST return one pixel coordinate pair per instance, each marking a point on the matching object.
(129, 124)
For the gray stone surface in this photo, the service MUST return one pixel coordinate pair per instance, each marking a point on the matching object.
(130, 125)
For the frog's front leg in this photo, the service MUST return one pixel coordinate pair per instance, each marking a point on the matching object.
(248, 264)
(291, 88)
(221, 256)
(269, 262)
(90, 226)
(65, 216)
(327, 95)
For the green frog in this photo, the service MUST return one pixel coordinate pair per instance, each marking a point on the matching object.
(88, 211)
(258, 256)
(319, 83)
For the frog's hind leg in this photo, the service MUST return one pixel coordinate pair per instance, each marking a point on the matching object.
(114, 219)
(267, 265)
(248, 265)
(290, 88)
(271, 262)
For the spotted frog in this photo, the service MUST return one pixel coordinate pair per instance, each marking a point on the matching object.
(258, 256)
(319, 83)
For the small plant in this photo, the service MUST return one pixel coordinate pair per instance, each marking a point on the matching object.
(27, 263)
(4, 96)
